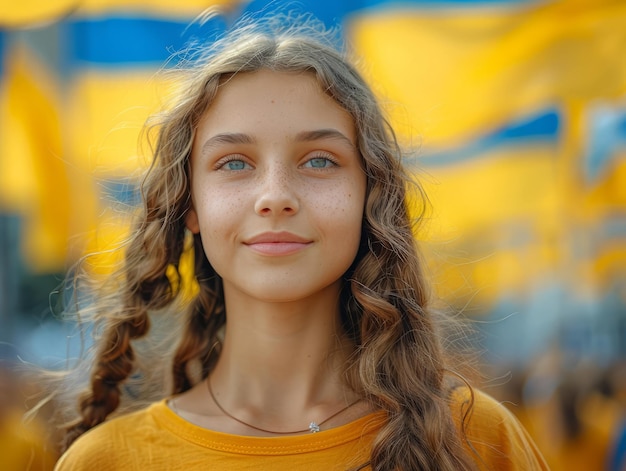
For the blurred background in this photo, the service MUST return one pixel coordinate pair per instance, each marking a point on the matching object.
(515, 112)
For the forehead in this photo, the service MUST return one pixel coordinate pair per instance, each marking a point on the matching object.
(265, 99)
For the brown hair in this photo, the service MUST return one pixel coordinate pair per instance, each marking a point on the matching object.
(399, 364)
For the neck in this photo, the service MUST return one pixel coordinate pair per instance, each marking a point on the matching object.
(283, 357)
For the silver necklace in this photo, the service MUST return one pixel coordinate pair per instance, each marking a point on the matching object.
(314, 427)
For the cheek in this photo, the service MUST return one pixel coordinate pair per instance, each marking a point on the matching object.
(217, 206)
(217, 215)
(346, 208)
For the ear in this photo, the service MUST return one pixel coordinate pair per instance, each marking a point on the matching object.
(191, 221)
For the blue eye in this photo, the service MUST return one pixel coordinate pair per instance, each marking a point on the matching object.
(236, 165)
(319, 162)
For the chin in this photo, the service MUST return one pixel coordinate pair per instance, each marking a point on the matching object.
(287, 292)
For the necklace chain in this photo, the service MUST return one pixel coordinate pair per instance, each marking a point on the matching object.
(314, 427)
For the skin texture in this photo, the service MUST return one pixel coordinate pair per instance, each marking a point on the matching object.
(277, 196)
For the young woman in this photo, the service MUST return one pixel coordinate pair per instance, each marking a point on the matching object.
(309, 342)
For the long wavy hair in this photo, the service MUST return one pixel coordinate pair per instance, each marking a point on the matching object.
(399, 364)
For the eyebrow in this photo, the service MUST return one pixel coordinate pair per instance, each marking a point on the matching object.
(227, 138)
(304, 136)
(320, 134)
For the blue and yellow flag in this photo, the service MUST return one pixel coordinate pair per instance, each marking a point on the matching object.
(515, 112)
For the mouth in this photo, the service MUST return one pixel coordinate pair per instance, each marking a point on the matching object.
(277, 243)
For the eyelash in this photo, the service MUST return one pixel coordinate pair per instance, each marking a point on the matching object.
(230, 158)
(323, 156)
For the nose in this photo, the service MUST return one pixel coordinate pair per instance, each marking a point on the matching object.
(277, 194)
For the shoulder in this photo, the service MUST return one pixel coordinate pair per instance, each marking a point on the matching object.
(492, 433)
(112, 445)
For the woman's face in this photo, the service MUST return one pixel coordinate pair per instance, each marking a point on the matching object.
(277, 187)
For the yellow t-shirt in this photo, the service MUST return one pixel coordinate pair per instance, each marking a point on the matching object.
(157, 439)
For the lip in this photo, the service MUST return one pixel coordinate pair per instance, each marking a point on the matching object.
(277, 243)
